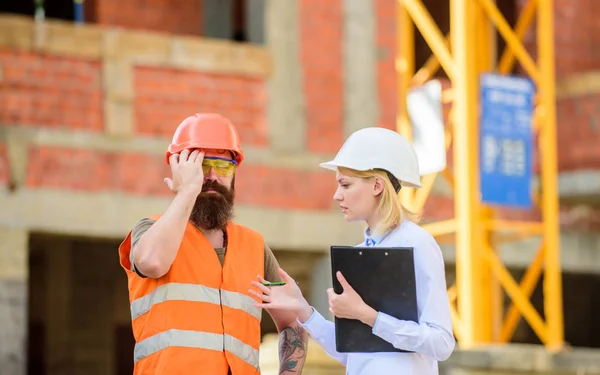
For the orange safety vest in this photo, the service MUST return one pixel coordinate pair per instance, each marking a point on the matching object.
(199, 317)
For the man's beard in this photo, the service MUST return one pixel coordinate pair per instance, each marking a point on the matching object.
(213, 210)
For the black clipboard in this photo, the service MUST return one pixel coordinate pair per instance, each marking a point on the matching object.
(385, 279)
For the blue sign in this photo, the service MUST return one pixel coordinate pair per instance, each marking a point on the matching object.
(506, 140)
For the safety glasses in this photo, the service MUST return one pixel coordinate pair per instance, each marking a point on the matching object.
(223, 167)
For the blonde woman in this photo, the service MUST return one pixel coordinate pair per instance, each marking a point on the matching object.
(371, 167)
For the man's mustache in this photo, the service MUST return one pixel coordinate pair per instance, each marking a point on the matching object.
(214, 185)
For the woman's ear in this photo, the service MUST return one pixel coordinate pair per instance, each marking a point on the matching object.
(377, 186)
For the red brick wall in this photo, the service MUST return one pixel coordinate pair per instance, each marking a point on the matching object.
(45, 90)
(387, 83)
(58, 92)
(164, 97)
(579, 132)
(577, 36)
(93, 171)
(172, 16)
(321, 25)
(278, 187)
(142, 174)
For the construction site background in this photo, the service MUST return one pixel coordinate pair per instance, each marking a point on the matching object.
(87, 110)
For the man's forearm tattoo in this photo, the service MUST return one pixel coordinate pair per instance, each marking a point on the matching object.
(292, 349)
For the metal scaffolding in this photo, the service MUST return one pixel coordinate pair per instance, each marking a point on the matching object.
(477, 297)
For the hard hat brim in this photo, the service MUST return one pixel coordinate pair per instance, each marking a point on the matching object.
(333, 166)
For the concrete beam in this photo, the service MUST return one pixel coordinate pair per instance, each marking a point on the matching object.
(119, 92)
(19, 138)
(582, 186)
(112, 215)
(137, 47)
(578, 84)
(285, 111)
(360, 66)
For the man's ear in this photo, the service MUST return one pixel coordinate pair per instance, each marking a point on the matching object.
(378, 186)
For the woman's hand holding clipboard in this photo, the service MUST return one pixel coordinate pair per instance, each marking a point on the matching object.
(348, 304)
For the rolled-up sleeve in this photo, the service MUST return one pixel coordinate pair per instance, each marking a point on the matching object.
(432, 336)
(323, 332)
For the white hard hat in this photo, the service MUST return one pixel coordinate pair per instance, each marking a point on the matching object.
(379, 148)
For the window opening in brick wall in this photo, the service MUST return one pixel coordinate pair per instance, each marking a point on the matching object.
(53, 9)
(239, 21)
(17, 7)
(236, 20)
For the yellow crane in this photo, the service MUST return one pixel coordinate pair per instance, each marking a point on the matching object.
(464, 54)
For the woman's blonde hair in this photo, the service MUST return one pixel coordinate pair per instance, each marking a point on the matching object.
(390, 209)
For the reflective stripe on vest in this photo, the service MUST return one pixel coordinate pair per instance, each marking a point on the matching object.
(194, 293)
(193, 339)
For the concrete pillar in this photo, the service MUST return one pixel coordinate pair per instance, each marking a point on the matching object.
(14, 273)
(285, 110)
(59, 308)
(255, 21)
(321, 281)
(93, 312)
(361, 107)
(218, 19)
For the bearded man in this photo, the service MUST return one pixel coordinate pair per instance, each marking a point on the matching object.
(190, 268)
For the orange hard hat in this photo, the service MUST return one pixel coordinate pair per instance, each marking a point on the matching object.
(206, 131)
